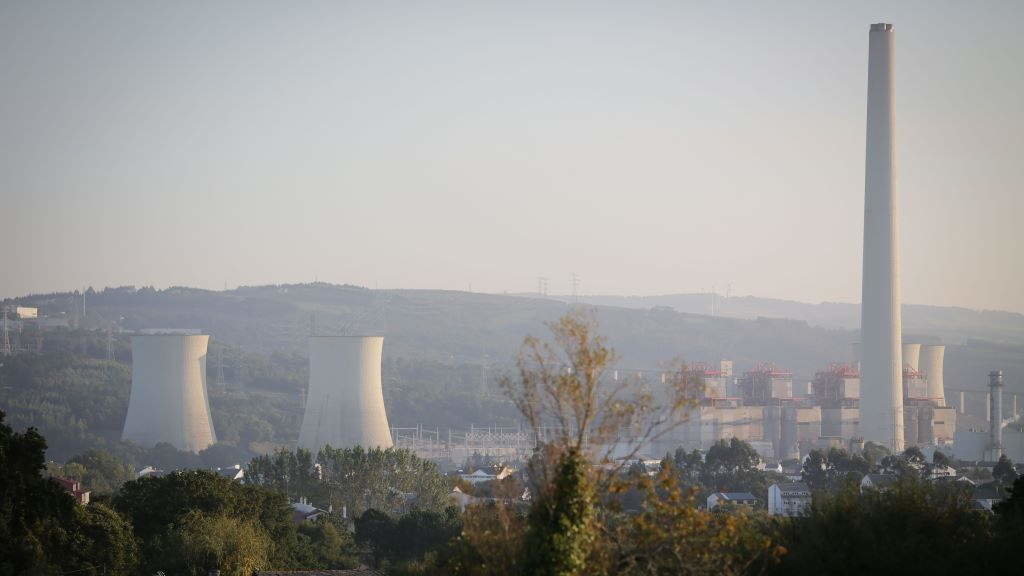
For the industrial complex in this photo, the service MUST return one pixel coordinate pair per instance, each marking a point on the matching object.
(889, 392)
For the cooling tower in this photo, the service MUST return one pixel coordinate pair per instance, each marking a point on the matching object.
(168, 400)
(912, 356)
(345, 403)
(881, 404)
(931, 365)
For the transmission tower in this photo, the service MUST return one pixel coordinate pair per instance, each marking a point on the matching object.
(110, 344)
(575, 287)
(220, 366)
(5, 346)
(542, 286)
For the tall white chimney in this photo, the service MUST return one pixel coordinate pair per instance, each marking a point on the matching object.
(881, 405)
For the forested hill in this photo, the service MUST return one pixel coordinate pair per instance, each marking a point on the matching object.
(457, 328)
(951, 324)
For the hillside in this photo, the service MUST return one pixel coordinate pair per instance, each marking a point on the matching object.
(948, 324)
(456, 328)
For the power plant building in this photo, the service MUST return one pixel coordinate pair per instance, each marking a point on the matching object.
(881, 408)
(168, 401)
(345, 402)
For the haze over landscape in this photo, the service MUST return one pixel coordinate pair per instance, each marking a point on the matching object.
(657, 148)
(474, 288)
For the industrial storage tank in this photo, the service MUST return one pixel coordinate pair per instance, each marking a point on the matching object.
(345, 402)
(932, 366)
(168, 401)
(912, 356)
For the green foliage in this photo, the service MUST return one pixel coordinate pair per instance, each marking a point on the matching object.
(105, 543)
(834, 470)
(98, 470)
(912, 528)
(730, 466)
(409, 538)
(390, 480)
(874, 453)
(42, 530)
(329, 547)
(563, 524)
(78, 403)
(288, 472)
(1003, 472)
(1010, 522)
(199, 542)
(668, 534)
(156, 506)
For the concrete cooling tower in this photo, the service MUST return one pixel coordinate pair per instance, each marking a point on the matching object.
(912, 356)
(931, 364)
(168, 401)
(345, 403)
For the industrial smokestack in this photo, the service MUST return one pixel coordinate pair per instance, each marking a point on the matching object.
(912, 356)
(345, 404)
(932, 365)
(168, 401)
(995, 386)
(881, 405)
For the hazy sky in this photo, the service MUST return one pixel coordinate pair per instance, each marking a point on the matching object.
(650, 147)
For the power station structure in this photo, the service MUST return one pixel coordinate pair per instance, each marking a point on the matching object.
(931, 363)
(345, 402)
(881, 403)
(168, 401)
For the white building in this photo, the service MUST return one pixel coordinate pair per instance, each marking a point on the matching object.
(788, 499)
(880, 482)
(736, 498)
(235, 472)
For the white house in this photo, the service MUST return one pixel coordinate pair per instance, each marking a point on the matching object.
(484, 476)
(303, 511)
(737, 498)
(235, 472)
(788, 499)
(880, 482)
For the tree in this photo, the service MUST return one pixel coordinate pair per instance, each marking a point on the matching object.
(36, 516)
(940, 459)
(574, 413)
(563, 525)
(105, 543)
(670, 535)
(331, 548)
(156, 505)
(200, 542)
(99, 470)
(375, 530)
(874, 453)
(1010, 524)
(913, 528)
(815, 470)
(392, 480)
(42, 529)
(1003, 472)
